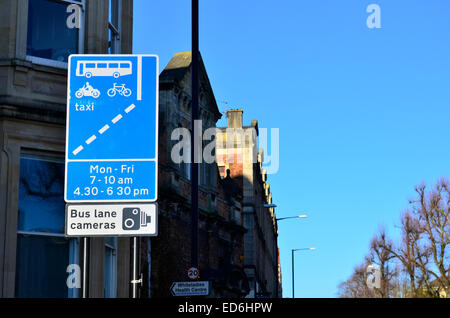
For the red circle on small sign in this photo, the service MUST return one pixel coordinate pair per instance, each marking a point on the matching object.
(193, 273)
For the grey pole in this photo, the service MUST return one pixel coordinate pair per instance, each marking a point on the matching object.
(85, 267)
(293, 250)
(293, 286)
(134, 282)
(194, 143)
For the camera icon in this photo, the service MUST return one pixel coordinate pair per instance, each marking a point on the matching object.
(134, 218)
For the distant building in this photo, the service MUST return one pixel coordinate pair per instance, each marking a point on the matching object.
(280, 285)
(221, 232)
(35, 42)
(237, 152)
(437, 288)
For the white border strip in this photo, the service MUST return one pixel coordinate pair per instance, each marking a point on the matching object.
(139, 78)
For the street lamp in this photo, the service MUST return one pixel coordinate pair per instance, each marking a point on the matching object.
(271, 205)
(294, 250)
(303, 216)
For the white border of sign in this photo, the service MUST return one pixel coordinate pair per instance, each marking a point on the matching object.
(190, 293)
(128, 204)
(156, 132)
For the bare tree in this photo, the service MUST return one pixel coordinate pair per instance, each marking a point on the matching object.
(408, 252)
(424, 248)
(356, 285)
(443, 186)
(432, 210)
(380, 254)
(422, 256)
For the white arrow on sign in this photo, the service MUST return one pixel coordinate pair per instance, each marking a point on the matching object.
(190, 288)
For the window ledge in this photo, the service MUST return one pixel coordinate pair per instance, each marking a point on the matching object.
(47, 62)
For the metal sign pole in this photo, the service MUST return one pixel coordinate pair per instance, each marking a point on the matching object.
(135, 281)
(85, 267)
(194, 143)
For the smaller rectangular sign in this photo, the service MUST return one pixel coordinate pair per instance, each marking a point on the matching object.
(195, 288)
(111, 219)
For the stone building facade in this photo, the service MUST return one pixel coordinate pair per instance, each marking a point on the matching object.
(237, 152)
(221, 230)
(35, 42)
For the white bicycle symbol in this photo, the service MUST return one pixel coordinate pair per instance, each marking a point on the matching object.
(126, 92)
(87, 90)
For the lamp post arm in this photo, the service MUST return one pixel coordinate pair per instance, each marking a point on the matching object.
(294, 250)
(292, 217)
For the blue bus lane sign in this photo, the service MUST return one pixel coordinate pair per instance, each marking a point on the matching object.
(112, 129)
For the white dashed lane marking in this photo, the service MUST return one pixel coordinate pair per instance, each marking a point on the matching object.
(117, 118)
(129, 108)
(76, 151)
(104, 129)
(91, 139)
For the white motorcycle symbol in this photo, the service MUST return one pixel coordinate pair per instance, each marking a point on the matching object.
(87, 90)
(126, 92)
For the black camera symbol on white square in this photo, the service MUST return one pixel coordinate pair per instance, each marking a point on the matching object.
(133, 219)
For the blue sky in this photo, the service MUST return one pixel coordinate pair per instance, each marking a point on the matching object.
(363, 113)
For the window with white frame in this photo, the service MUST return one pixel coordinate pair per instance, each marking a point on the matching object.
(50, 37)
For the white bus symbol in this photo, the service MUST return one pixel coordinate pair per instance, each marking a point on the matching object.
(103, 68)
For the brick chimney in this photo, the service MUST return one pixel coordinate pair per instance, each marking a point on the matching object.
(234, 118)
